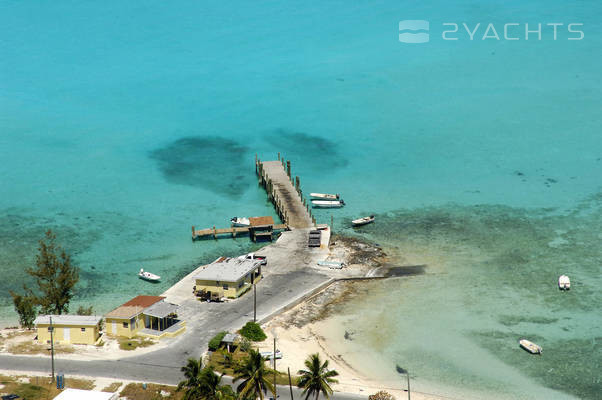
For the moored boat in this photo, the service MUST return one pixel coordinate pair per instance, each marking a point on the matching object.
(324, 196)
(331, 264)
(530, 346)
(327, 203)
(148, 276)
(363, 221)
(564, 283)
(240, 221)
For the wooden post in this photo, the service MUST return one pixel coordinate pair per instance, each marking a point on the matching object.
(290, 384)
(256, 163)
(278, 156)
(288, 168)
(297, 183)
(193, 232)
(214, 233)
(331, 223)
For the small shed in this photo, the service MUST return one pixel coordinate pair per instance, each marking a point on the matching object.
(229, 340)
(68, 329)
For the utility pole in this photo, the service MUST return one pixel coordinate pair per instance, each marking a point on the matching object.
(52, 347)
(408, 375)
(274, 357)
(254, 303)
(290, 384)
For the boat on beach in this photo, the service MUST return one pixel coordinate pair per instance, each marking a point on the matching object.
(530, 346)
(327, 203)
(564, 283)
(240, 221)
(324, 196)
(331, 264)
(148, 276)
(363, 221)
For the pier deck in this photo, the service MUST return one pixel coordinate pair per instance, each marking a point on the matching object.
(235, 231)
(286, 198)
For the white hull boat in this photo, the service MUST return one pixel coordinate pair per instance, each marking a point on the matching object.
(564, 283)
(324, 196)
(240, 221)
(327, 203)
(530, 346)
(147, 276)
(363, 221)
(331, 264)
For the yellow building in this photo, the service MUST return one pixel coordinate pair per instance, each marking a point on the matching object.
(69, 329)
(227, 277)
(144, 316)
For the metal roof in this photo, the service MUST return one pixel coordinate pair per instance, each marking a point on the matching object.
(230, 338)
(77, 394)
(228, 270)
(161, 309)
(78, 320)
(124, 312)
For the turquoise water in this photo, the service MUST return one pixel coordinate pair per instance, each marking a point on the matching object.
(122, 126)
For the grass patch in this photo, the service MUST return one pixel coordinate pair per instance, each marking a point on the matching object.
(31, 347)
(134, 343)
(134, 391)
(40, 387)
(112, 388)
(223, 364)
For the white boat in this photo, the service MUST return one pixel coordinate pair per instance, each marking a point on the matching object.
(363, 221)
(268, 354)
(327, 203)
(564, 283)
(331, 264)
(324, 196)
(530, 346)
(240, 221)
(147, 276)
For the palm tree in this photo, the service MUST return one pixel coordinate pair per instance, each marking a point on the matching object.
(192, 384)
(255, 376)
(316, 378)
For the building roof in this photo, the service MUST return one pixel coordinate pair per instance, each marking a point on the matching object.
(143, 301)
(228, 269)
(161, 309)
(75, 320)
(133, 307)
(230, 338)
(259, 221)
(77, 394)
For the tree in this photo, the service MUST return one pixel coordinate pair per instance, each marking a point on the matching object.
(252, 331)
(25, 307)
(55, 277)
(381, 395)
(316, 378)
(255, 377)
(81, 310)
(203, 383)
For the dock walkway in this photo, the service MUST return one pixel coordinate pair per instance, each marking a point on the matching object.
(286, 198)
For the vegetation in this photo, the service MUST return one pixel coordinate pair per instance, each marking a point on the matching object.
(112, 388)
(81, 310)
(134, 343)
(381, 395)
(203, 383)
(255, 377)
(151, 391)
(245, 345)
(25, 308)
(253, 331)
(316, 378)
(39, 388)
(55, 277)
(216, 341)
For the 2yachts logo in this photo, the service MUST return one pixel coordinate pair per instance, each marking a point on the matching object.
(511, 31)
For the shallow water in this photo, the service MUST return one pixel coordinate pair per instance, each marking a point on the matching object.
(122, 126)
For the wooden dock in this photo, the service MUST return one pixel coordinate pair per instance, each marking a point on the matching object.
(256, 233)
(284, 192)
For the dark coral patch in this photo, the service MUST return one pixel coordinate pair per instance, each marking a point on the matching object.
(213, 163)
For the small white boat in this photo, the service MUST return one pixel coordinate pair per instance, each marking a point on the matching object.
(240, 221)
(331, 264)
(363, 221)
(147, 276)
(530, 346)
(327, 203)
(564, 283)
(324, 196)
(268, 354)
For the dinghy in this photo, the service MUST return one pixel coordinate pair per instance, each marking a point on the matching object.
(530, 346)
(331, 264)
(363, 221)
(324, 196)
(564, 283)
(147, 276)
(327, 203)
(240, 221)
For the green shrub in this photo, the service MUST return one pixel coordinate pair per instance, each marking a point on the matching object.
(253, 331)
(216, 341)
(245, 345)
